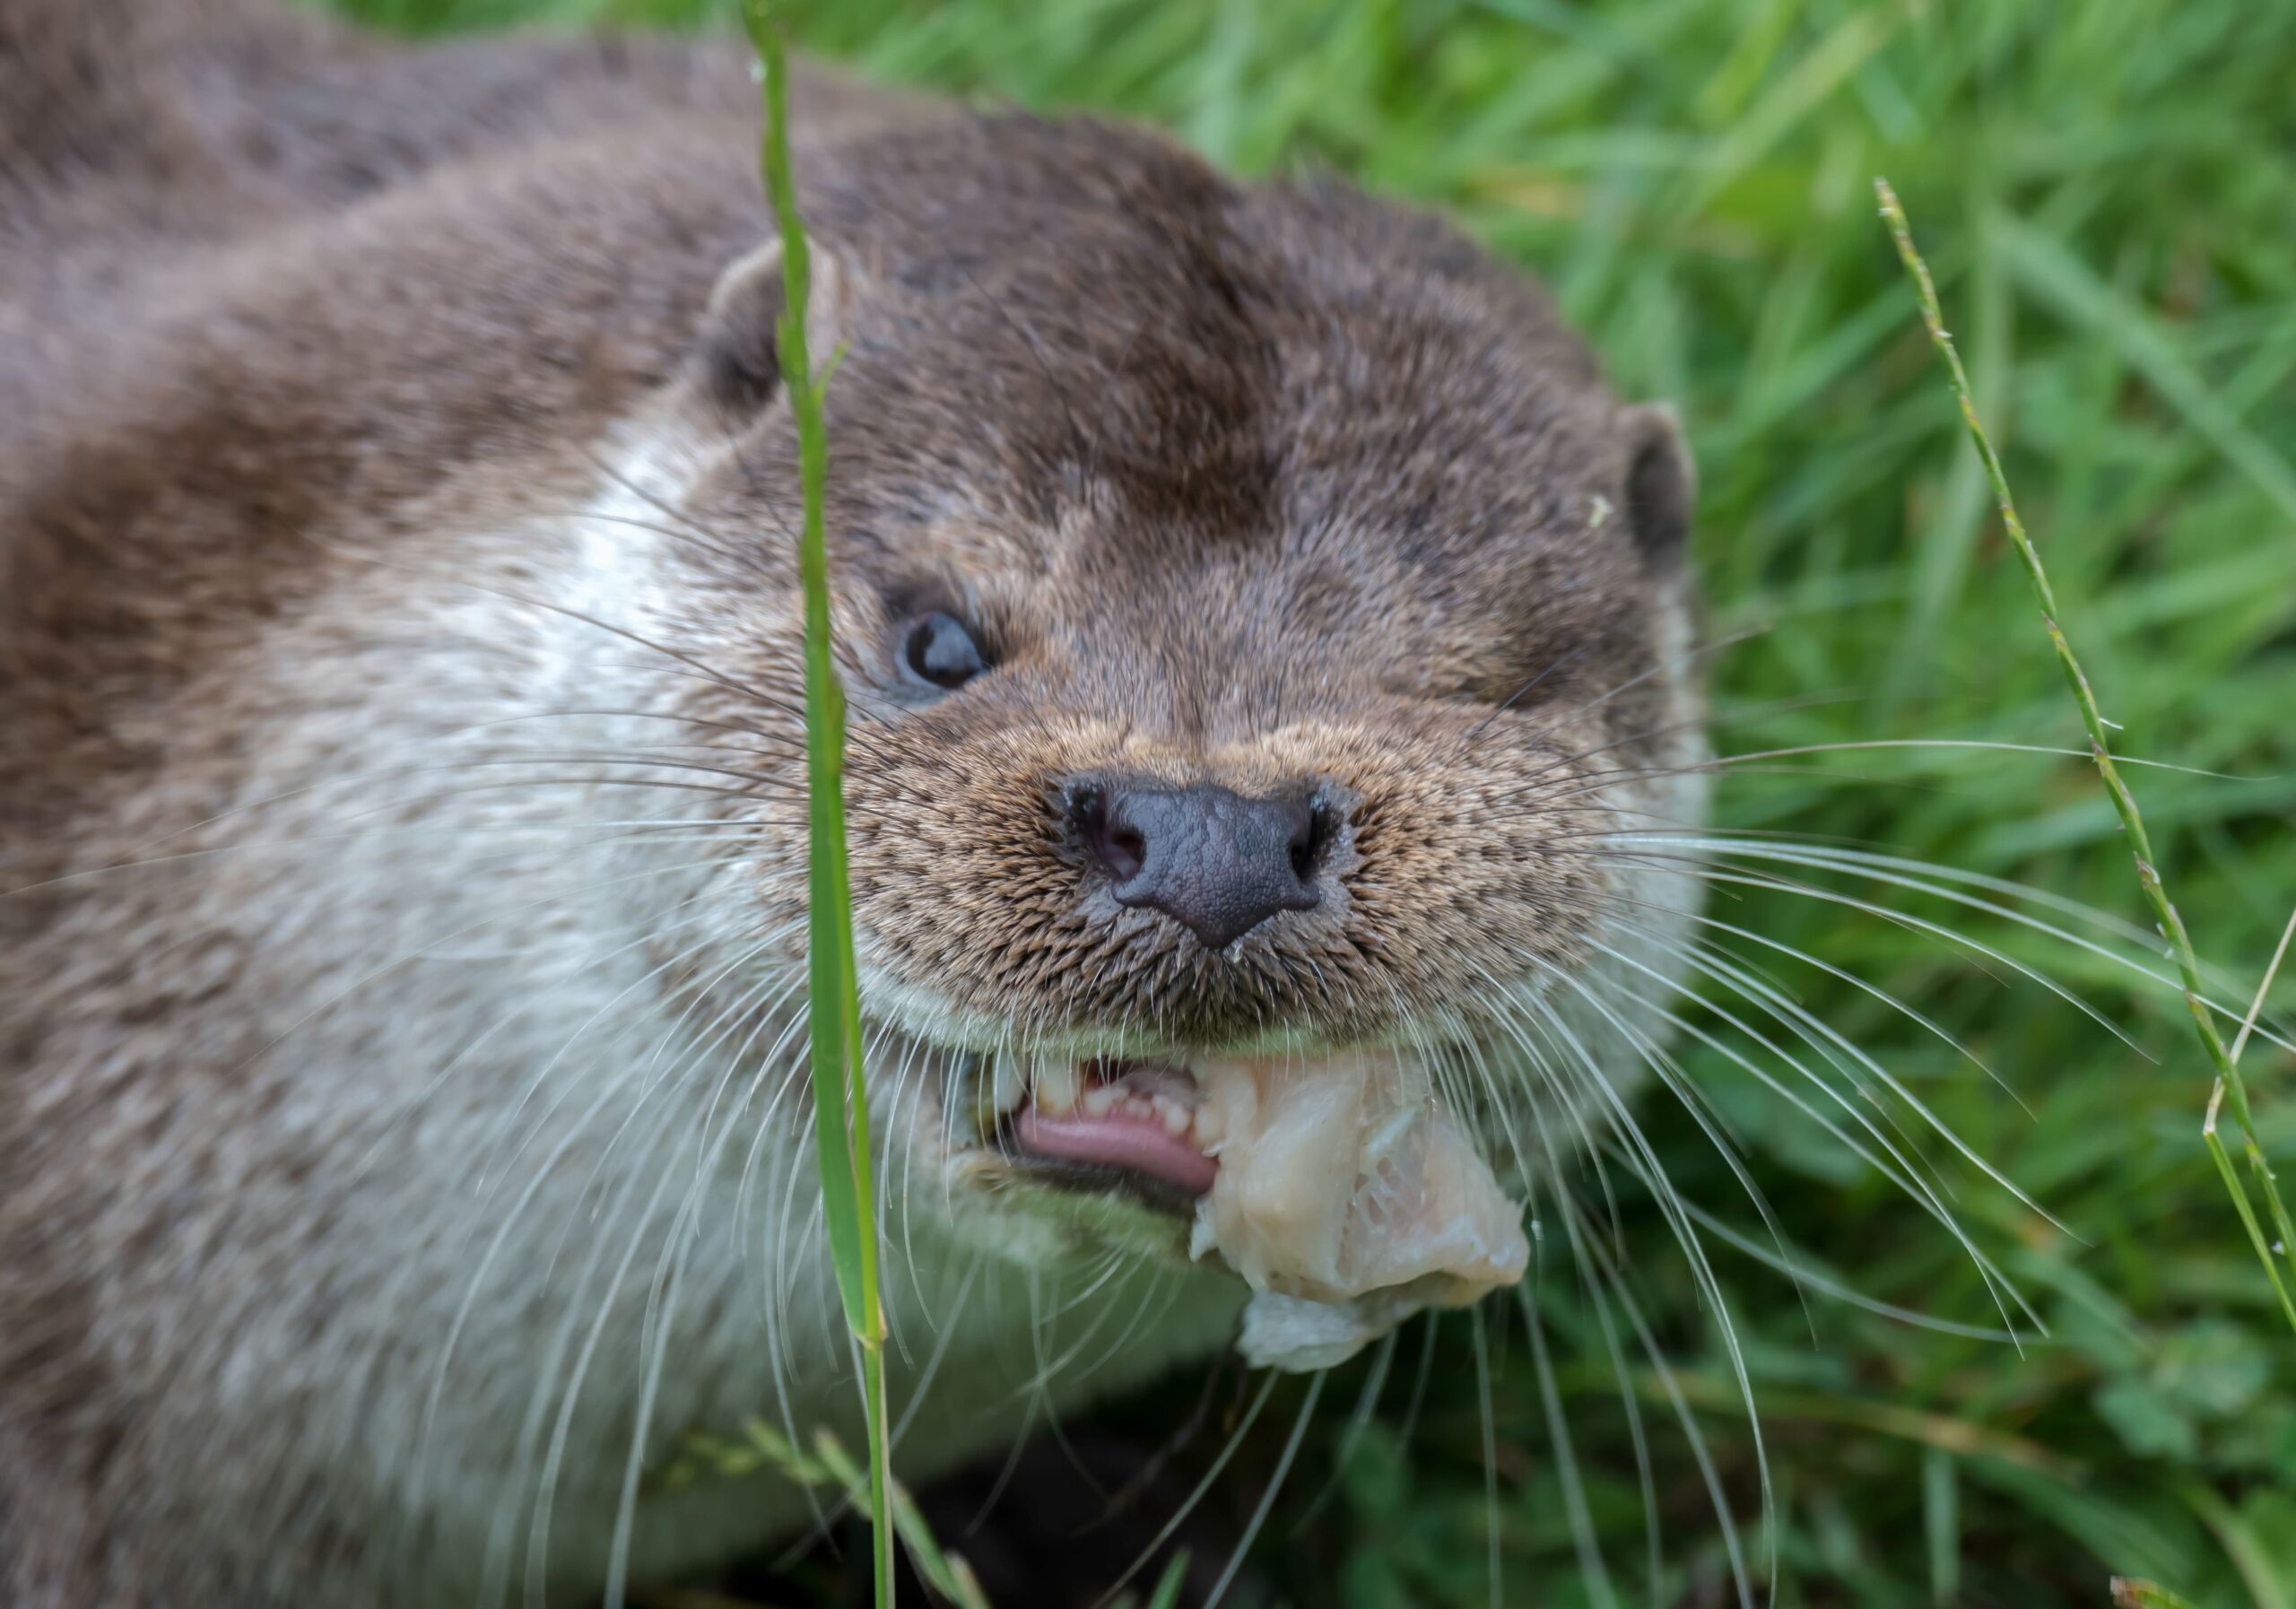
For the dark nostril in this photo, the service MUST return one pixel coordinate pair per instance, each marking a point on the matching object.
(1122, 850)
(1307, 842)
(1115, 843)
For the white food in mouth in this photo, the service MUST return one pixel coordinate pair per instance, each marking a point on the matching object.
(1297, 1336)
(1345, 1181)
(1339, 1187)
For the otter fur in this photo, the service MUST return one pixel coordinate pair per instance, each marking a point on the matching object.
(403, 1140)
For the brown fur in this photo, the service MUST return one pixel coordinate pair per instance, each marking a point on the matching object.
(1267, 485)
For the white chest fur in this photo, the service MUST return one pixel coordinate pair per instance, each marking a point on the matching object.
(499, 1212)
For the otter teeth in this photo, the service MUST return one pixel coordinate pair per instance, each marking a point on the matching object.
(1058, 1083)
(1163, 1096)
(1210, 1127)
(1008, 1085)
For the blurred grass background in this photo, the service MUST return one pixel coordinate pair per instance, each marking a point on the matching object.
(2107, 189)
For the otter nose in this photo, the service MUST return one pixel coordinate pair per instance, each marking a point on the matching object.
(1215, 861)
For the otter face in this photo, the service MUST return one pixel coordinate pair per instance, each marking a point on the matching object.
(1258, 625)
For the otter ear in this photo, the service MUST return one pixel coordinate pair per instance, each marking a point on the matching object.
(1661, 483)
(740, 350)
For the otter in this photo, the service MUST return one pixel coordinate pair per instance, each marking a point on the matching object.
(1258, 618)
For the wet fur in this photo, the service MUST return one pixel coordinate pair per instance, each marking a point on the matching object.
(398, 766)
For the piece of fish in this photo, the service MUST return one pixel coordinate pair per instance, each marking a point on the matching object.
(1344, 1182)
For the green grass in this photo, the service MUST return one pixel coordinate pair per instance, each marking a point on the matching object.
(839, 1079)
(2168, 923)
(2106, 193)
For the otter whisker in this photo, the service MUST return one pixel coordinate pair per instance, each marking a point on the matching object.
(608, 1096)
(1651, 1171)
(1825, 1285)
(569, 1393)
(1481, 1347)
(1111, 1264)
(1574, 761)
(763, 1134)
(650, 757)
(337, 780)
(1589, 1282)
(1763, 761)
(1811, 890)
(759, 947)
(687, 720)
(1359, 1419)
(1513, 1025)
(1149, 1302)
(1203, 1485)
(404, 958)
(1039, 1390)
(1578, 711)
(188, 859)
(654, 500)
(584, 617)
(1032, 1403)
(662, 1301)
(665, 1173)
(513, 1497)
(884, 1101)
(1614, 1281)
(1886, 1079)
(1275, 1485)
(399, 1120)
(904, 1097)
(778, 1344)
(1583, 1538)
(946, 1333)
(1421, 1378)
(1710, 1122)
(1898, 1167)
(1850, 744)
(1928, 878)
(704, 542)
(650, 1078)
(1513, 1120)
(603, 1099)
(1826, 1042)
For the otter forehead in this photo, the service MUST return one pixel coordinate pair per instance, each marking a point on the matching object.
(1141, 418)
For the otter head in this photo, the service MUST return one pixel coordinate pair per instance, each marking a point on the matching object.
(1260, 627)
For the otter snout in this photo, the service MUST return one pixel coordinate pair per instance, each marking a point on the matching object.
(1215, 861)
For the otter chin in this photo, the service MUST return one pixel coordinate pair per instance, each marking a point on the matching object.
(1265, 633)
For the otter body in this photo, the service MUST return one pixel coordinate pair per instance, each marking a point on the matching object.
(403, 1132)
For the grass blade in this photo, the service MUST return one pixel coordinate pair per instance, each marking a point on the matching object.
(2131, 1593)
(2228, 1086)
(840, 1097)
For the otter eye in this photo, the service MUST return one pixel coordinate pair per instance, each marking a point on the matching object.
(939, 651)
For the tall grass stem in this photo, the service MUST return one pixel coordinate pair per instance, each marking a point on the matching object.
(841, 1096)
(2229, 1088)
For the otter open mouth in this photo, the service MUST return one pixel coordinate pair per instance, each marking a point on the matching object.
(1323, 1178)
(1139, 1126)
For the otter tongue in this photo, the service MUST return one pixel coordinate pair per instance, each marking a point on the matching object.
(1121, 1138)
(1344, 1176)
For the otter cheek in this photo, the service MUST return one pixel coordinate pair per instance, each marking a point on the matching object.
(1345, 1181)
